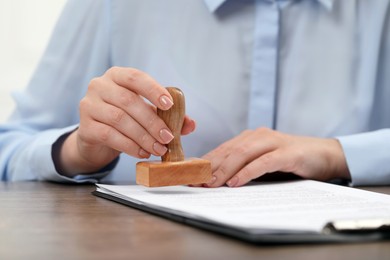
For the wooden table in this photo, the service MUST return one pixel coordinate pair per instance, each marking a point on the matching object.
(41, 220)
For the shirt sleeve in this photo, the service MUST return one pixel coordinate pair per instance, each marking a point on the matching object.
(368, 157)
(48, 108)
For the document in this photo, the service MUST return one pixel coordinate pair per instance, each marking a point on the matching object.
(294, 207)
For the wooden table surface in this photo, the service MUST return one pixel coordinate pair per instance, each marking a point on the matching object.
(41, 220)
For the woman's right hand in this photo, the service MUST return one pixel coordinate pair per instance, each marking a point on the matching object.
(115, 118)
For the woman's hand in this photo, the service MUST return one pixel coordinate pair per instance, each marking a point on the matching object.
(254, 153)
(115, 118)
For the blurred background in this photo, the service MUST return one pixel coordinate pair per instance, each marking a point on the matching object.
(25, 28)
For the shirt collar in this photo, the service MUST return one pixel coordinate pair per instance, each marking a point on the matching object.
(213, 5)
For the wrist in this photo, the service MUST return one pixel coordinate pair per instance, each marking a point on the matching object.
(67, 159)
(341, 169)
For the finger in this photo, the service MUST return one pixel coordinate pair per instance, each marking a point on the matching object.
(110, 137)
(142, 84)
(219, 154)
(242, 154)
(247, 148)
(138, 109)
(270, 162)
(189, 126)
(127, 126)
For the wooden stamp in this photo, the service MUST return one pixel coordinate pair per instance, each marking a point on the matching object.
(173, 168)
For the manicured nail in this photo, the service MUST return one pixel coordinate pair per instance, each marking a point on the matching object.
(232, 182)
(159, 148)
(143, 154)
(165, 102)
(211, 182)
(194, 125)
(166, 136)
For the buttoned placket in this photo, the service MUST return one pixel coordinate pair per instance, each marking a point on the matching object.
(264, 78)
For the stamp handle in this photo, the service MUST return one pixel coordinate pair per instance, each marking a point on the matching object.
(174, 119)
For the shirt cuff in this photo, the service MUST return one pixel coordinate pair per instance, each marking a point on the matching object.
(92, 178)
(368, 157)
(80, 178)
(38, 157)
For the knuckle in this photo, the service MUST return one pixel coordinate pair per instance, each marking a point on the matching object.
(211, 154)
(153, 92)
(246, 173)
(124, 101)
(144, 138)
(216, 153)
(153, 124)
(247, 131)
(84, 104)
(222, 149)
(132, 75)
(112, 70)
(223, 170)
(130, 147)
(104, 134)
(267, 160)
(241, 151)
(127, 98)
(117, 116)
(264, 130)
(94, 84)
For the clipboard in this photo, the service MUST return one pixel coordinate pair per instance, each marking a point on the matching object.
(342, 231)
(330, 235)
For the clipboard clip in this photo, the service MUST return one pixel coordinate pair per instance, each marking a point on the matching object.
(357, 226)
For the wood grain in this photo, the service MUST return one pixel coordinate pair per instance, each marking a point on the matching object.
(174, 119)
(157, 174)
(40, 220)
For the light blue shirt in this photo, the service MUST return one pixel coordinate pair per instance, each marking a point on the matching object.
(309, 67)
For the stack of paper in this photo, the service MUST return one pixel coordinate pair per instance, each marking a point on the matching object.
(295, 207)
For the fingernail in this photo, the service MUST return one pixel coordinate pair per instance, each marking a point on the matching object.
(159, 148)
(232, 182)
(166, 136)
(211, 182)
(194, 125)
(165, 102)
(143, 154)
